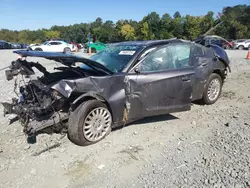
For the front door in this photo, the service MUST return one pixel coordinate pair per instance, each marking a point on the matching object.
(161, 83)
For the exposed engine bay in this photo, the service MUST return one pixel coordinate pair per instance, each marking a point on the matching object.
(37, 105)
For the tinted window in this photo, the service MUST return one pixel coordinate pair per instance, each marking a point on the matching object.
(55, 43)
(116, 57)
(170, 57)
(198, 51)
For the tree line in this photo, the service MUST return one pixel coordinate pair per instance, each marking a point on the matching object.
(236, 24)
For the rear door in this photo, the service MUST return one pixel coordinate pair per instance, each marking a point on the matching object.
(202, 59)
(161, 83)
(56, 46)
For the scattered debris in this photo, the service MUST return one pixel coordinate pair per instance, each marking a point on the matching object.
(194, 123)
(181, 166)
(101, 166)
(229, 94)
(33, 172)
(27, 147)
(47, 149)
(197, 141)
(132, 151)
(235, 116)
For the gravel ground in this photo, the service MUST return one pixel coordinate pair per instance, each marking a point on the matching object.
(208, 146)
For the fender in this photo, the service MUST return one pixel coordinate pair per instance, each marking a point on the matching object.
(225, 63)
(84, 96)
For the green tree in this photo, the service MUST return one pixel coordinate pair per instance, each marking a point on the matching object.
(207, 22)
(146, 34)
(153, 19)
(128, 32)
(192, 27)
(165, 27)
(177, 15)
(107, 31)
(23, 37)
(236, 22)
(176, 27)
(51, 34)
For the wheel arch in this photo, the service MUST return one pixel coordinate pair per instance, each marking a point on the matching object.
(89, 96)
(219, 72)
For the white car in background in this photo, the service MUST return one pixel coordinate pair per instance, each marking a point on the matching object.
(242, 44)
(54, 46)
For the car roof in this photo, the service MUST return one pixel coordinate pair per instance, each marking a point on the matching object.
(57, 41)
(147, 43)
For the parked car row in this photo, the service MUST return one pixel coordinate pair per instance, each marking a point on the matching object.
(8, 45)
(54, 46)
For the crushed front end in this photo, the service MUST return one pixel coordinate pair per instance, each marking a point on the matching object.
(38, 107)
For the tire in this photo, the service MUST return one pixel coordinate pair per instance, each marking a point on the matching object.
(80, 131)
(209, 98)
(241, 47)
(38, 49)
(66, 50)
(93, 50)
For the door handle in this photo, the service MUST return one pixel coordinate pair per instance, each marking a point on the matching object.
(204, 64)
(185, 79)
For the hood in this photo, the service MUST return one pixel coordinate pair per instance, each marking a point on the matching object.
(65, 59)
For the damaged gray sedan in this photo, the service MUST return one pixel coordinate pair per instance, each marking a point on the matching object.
(125, 82)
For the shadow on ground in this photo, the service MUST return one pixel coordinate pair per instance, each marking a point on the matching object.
(147, 120)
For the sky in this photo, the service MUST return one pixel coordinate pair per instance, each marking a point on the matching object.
(33, 14)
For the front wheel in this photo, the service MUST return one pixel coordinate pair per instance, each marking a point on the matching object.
(213, 89)
(89, 123)
(241, 47)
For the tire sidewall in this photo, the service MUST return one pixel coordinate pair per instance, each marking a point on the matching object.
(241, 47)
(205, 95)
(81, 113)
(66, 50)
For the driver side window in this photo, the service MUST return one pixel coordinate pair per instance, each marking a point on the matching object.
(170, 57)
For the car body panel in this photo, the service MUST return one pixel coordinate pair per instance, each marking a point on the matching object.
(173, 92)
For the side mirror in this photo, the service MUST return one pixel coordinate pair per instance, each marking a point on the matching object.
(137, 70)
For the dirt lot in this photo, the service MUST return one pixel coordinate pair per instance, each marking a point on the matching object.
(208, 146)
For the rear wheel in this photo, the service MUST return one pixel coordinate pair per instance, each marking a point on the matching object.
(66, 50)
(89, 123)
(241, 47)
(213, 89)
(38, 49)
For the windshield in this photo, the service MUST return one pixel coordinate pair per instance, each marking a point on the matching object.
(115, 57)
